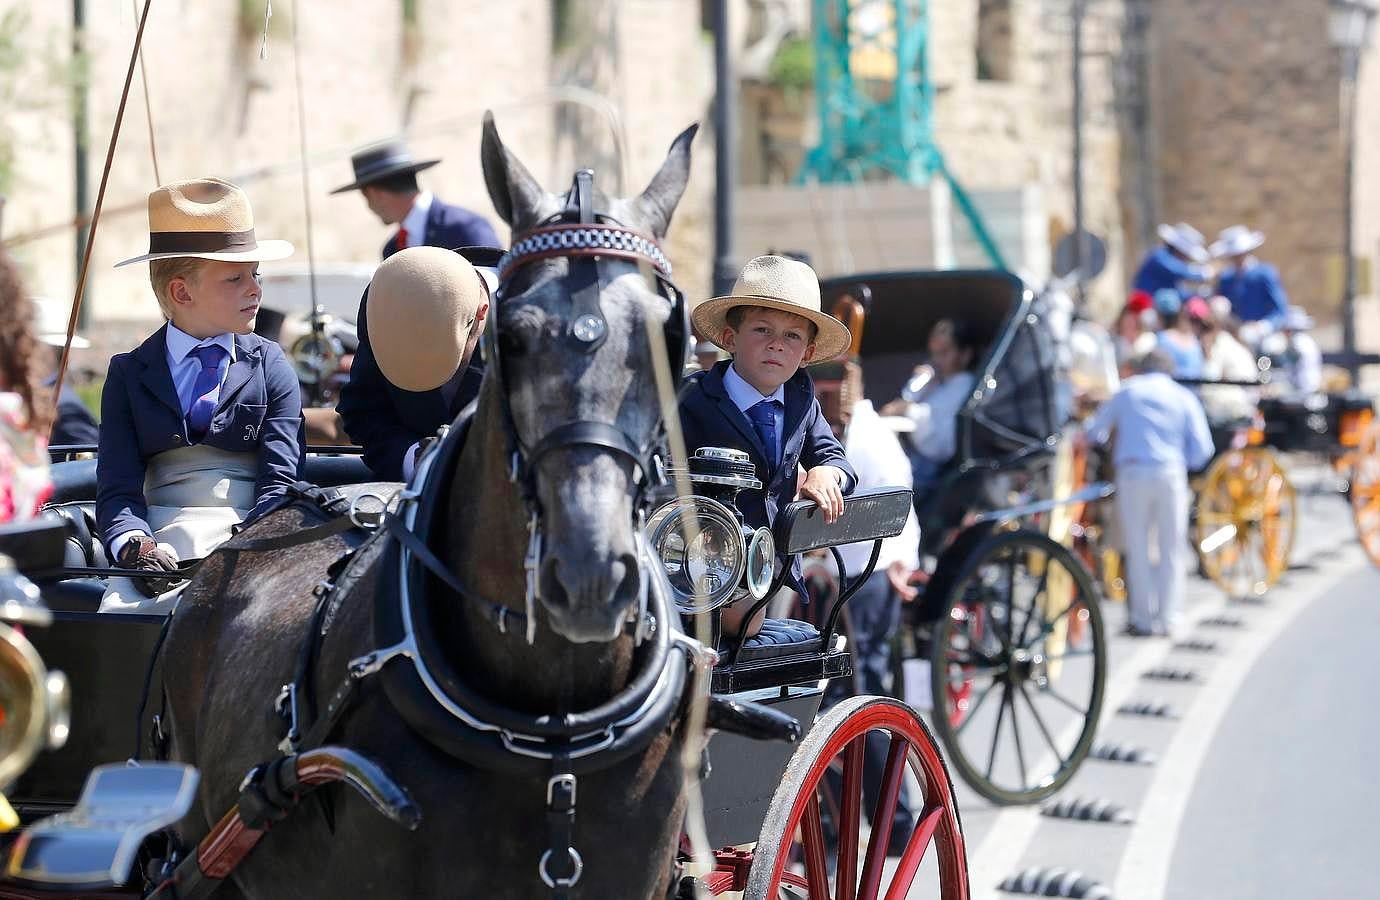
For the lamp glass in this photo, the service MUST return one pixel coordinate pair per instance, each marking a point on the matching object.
(1349, 23)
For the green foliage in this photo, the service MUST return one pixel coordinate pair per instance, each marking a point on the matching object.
(793, 67)
(90, 394)
(411, 12)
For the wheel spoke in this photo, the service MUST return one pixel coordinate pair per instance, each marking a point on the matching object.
(882, 815)
(1020, 751)
(974, 707)
(812, 844)
(846, 879)
(996, 732)
(1064, 700)
(1048, 627)
(1049, 739)
(1034, 601)
(919, 842)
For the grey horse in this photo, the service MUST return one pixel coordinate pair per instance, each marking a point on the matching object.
(235, 638)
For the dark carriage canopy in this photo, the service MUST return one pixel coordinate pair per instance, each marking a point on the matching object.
(1019, 404)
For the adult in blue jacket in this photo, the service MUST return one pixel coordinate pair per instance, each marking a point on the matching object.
(1177, 263)
(1253, 287)
(391, 420)
(386, 174)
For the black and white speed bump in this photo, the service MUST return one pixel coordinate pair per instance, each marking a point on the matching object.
(1056, 881)
(1196, 645)
(1169, 673)
(1122, 753)
(1148, 708)
(1222, 620)
(1087, 810)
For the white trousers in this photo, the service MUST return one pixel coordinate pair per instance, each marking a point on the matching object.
(1152, 504)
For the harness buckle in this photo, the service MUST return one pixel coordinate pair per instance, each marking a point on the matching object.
(566, 784)
(286, 706)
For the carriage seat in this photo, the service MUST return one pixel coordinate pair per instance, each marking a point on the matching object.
(83, 547)
(779, 638)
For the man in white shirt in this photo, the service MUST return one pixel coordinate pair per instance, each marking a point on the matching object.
(933, 398)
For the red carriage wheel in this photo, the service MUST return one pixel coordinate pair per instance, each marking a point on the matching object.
(815, 842)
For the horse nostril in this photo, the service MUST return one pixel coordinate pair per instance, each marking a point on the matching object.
(552, 590)
(627, 578)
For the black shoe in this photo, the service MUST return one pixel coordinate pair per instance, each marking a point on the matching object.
(1133, 631)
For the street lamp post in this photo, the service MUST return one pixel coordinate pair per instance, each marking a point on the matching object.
(1349, 27)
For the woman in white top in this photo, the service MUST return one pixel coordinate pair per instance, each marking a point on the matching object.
(933, 397)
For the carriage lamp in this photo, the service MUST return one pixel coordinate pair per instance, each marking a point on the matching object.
(710, 556)
(34, 702)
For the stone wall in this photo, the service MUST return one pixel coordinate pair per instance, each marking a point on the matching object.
(220, 110)
(1248, 129)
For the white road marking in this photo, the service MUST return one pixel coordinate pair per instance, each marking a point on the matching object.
(1144, 870)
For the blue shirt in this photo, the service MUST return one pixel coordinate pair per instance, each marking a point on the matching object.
(1162, 269)
(185, 367)
(1188, 358)
(745, 397)
(1255, 292)
(1158, 422)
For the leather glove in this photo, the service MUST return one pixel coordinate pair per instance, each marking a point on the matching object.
(142, 553)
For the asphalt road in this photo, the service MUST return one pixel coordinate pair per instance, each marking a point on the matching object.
(1263, 782)
(1285, 803)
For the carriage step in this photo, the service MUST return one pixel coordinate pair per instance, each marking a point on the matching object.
(1056, 881)
(1087, 810)
(1197, 645)
(1123, 753)
(1169, 673)
(1223, 621)
(1150, 709)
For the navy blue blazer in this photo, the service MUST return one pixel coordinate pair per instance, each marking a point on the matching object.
(709, 418)
(1256, 294)
(450, 227)
(74, 425)
(385, 419)
(260, 409)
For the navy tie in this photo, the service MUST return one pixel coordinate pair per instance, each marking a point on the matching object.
(205, 392)
(763, 418)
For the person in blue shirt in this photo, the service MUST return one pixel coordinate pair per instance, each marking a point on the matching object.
(762, 401)
(1253, 287)
(1176, 336)
(1160, 434)
(1178, 263)
(201, 425)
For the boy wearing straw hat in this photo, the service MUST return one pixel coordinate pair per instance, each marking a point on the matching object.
(201, 425)
(762, 401)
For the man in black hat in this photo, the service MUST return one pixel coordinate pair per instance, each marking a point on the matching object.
(386, 174)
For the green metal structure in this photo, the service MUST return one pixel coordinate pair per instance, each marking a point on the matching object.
(876, 101)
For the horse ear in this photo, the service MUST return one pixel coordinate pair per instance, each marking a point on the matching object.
(658, 201)
(516, 195)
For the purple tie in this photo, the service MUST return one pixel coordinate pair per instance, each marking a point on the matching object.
(206, 391)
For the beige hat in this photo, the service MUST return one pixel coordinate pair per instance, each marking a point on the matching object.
(775, 282)
(207, 219)
(423, 302)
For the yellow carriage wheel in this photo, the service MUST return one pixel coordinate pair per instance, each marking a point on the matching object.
(1365, 493)
(1244, 530)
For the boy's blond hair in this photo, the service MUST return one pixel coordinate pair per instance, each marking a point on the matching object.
(163, 271)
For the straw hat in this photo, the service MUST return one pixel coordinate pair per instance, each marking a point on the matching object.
(207, 219)
(1236, 240)
(378, 161)
(1186, 239)
(423, 302)
(774, 282)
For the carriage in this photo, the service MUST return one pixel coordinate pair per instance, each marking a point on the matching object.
(1008, 623)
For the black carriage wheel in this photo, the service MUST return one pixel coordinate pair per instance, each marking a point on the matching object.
(1017, 692)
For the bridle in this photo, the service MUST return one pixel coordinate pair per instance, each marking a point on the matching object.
(589, 240)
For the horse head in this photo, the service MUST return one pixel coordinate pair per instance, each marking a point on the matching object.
(573, 341)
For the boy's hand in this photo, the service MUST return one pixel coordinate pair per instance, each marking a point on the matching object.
(143, 553)
(822, 485)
